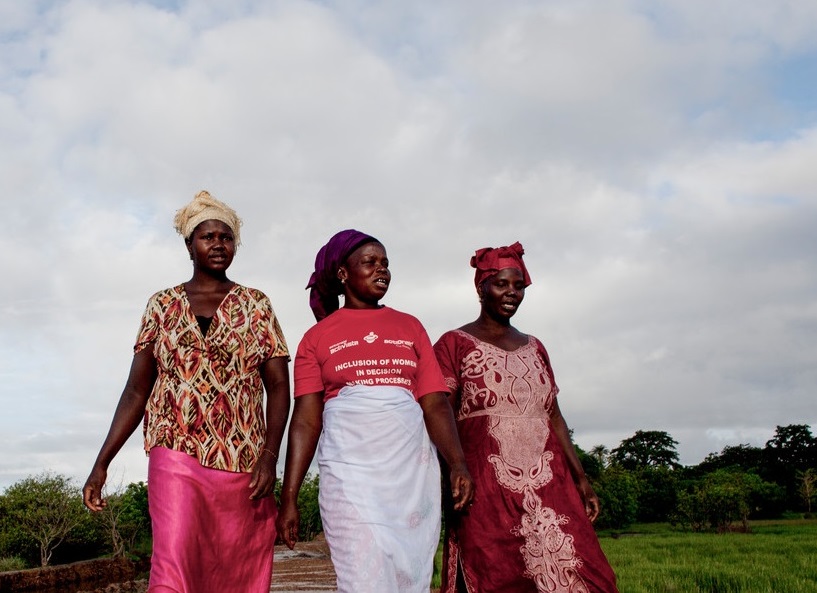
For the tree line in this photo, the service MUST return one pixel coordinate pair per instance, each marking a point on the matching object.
(43, 520)
(641, 481)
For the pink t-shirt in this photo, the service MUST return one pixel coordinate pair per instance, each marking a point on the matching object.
(376, 347)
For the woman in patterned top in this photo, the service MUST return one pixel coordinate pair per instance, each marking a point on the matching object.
(368, 387)
(206, 351)
(530, 527)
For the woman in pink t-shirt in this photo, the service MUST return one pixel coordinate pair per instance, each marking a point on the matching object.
(370, 397)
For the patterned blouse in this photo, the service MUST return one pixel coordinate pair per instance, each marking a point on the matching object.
(208, 399)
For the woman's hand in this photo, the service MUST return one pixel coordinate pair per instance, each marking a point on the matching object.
(287, 524)
(439, 421)
(462, 487)
(591, 501)
(263, 475)
(92, 491)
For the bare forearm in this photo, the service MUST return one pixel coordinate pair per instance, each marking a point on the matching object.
(441, 427)
(563, 435)
(276, 384)
(129, 413)
(304, 432)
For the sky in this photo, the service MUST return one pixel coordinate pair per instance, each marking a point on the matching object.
(657, 160)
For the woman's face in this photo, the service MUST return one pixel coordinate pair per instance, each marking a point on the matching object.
(502, 293)
(366, 276)
(212, 246)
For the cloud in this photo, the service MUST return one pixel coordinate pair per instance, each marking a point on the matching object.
(654, 162)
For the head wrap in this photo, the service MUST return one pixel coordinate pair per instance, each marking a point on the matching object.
(324, 282)
(489, 261)
(206, 207)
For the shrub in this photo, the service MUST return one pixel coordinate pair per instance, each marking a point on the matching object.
(12, 563)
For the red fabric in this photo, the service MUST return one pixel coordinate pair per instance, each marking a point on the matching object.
(208, 536)
(377, 347)
(489, 260)
(527, 531)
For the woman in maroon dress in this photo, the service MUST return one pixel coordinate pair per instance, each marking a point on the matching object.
(529, 528)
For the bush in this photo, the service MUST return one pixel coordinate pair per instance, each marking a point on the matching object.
(722, 498)
(45, 509)
(617, 490)
(12, 563)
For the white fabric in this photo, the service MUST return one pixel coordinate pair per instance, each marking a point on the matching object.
(380, 491)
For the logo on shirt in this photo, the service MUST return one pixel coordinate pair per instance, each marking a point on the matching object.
(341, 345)
(370, 337)
(400, 343)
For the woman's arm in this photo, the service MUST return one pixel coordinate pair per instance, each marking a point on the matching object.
(129, 413)
(439, 421)
(591, 501)
(304, 432)
(275, 376)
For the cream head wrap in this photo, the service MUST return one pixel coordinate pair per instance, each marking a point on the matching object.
(206, 207)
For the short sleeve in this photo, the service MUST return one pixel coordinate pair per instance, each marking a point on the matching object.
(149, 328)
(429, 377)
(307, 368)
(275, 344)
(549, 369)
(445, 351)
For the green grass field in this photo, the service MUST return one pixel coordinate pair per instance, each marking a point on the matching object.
(776, 557)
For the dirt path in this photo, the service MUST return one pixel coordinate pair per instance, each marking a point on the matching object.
(307, 569)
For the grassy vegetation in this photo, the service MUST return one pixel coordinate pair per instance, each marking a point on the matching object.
(775, 557)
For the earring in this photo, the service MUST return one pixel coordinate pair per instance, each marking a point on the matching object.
(343, 280)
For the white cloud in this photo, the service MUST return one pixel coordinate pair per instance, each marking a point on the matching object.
(660, 183)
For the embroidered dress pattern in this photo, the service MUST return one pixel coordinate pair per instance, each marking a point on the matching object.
(503, 416)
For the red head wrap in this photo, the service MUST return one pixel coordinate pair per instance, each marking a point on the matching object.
(489, 261)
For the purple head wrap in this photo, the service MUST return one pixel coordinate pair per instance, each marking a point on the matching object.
(324, 284)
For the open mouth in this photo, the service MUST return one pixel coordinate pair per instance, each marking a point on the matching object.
(382, 282)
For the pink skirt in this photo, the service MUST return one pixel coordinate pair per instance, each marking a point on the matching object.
(208, 536)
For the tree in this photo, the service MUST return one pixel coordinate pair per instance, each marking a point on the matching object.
(591, 465)
(646, 448)
(126, 517)
(657, 493)
(601, 453)
(743, 456)
(808, 487)
(45, 508)
(792, 448)
(722, 498)
(617, 490)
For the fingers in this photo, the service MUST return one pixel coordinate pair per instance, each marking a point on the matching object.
(592, 509)
(91, 497)
(92, 490)
(263, 487)
(262, 483)
(462, 491)
(288, 530)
